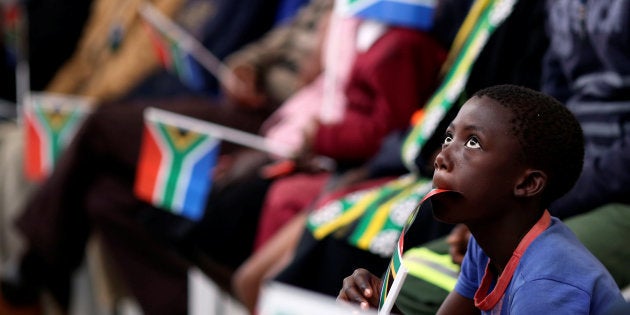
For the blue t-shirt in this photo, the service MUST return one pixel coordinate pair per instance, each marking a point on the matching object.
(556, 275)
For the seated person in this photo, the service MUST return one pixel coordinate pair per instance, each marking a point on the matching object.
(596, 209)
(506, 156)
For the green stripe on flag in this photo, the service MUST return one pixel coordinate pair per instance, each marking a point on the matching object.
(180, 144)
(57, 124)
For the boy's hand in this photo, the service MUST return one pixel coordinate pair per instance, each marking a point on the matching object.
(458, 242)
(362, 288)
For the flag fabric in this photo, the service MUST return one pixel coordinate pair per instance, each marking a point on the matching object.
(372, 218)
(393, 280)
(50, 121)
(175, 166)
(397, 271)
(176, 59)
(416, 14)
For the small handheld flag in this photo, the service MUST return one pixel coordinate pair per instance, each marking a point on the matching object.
(186, 46)
(397, 272)
(175, 59)
(50, 121)
(177, 157)
(175, 164)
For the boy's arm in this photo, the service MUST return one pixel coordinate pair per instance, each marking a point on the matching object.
(455, 303)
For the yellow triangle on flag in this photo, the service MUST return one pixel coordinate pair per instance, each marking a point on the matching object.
(182, 138)
(56, 118)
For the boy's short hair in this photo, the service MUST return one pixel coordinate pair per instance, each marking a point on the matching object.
(550, 136)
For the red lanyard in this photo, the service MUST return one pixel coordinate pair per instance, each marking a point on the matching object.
(485, 301)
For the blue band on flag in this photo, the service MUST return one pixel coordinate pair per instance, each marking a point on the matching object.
(400, 14)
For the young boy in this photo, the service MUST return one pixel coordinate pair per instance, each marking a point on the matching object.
(510, 152)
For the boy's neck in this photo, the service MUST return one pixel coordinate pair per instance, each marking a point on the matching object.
(499, 238)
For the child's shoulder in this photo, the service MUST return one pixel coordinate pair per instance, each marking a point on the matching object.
(558, 262)
(558, 246)
(558, 255)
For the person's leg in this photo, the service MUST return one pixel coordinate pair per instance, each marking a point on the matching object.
(287, 197)
(268, 260)
(150, 267)
(605, 232)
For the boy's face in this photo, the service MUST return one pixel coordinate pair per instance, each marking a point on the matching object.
(479, 159)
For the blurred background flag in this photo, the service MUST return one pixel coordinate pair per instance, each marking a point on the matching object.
(175, 59)
(51, 121)
(177, 157)
(11, 23)
(409, 13)
(13, 29)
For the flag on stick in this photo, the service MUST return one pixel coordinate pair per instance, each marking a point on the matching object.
(397, 272)
(175, 164)
(50, 121)
(177, 157)
(186, 46)
(410, 13)
(175, 59)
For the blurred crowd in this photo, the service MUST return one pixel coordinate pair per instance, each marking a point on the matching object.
(370, 95)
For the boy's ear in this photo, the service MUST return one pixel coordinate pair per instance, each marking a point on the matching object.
(531, 183)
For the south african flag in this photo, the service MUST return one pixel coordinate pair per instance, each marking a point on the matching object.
(175, 58)
(50, 122)
(175, 165)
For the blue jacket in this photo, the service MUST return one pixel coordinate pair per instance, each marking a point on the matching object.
(587, 67)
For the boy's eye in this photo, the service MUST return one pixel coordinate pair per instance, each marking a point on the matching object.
(448, 138)
(473, 143)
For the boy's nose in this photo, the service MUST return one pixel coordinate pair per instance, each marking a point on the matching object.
(441, 161)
